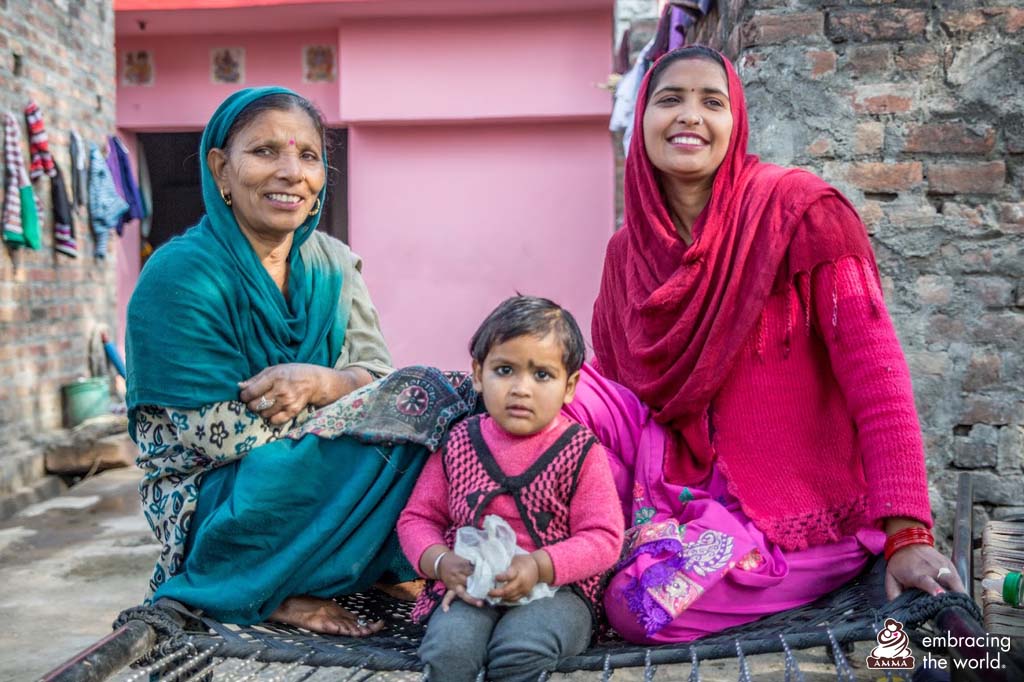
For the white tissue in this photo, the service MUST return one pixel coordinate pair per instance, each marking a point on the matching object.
(491, 551)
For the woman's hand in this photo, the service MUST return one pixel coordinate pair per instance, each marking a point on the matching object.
(454, 570)
(279, 393)
(518, 580)
(923, 567)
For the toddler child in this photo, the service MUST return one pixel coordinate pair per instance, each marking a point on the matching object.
(542, 473)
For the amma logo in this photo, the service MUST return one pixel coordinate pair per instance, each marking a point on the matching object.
(893, 650)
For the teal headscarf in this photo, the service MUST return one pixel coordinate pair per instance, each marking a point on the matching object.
(205, 313)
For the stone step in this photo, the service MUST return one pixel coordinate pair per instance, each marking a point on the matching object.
(40, 490)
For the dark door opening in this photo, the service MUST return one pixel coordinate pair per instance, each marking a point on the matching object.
(173, 162)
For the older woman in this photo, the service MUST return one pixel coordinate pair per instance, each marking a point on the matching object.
(236, 330)
(741, 303)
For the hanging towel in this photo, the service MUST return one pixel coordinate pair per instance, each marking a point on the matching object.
(120, 165)
(106, 207)
(79, 170)
(21, 212)
(38, 143)
(63, 225)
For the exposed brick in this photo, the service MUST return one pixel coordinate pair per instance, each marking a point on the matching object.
(822, 62)
(1014, 20)
(822, 146)
(965, 22)
(774, 29)
(869, 60)
(863, 25)
(912, 213)
(885, 98)
(885, 177)
(992, 292)
(871, 214)
(983, 371)
(934, 289)
(913, 57)
(868, 137)
(1004, 328)
(970, 454)
(966, 178)
(1011, 217)
(982, 410)
(943, 328)
(950, 138)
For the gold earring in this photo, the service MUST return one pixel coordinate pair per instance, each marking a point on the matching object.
(316, 207)
(226, 196)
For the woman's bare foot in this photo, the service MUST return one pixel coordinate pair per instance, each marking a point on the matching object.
(407, 591)
(322, 615)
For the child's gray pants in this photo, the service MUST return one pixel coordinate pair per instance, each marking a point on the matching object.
(514, 643)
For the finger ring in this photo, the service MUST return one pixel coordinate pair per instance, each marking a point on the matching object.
(942, 571)
(264, 404)
(361, 622)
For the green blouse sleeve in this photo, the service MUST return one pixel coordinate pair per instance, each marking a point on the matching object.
(364, 342)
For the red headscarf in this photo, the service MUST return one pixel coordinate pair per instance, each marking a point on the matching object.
(671, 319)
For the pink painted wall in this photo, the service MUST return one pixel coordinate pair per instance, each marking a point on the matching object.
(479, 158)
(450, 220)
(184, 98)
(509, 67)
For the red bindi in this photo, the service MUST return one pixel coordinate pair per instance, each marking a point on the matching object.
(292, 142)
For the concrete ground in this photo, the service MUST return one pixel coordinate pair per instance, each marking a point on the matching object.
(70, 564)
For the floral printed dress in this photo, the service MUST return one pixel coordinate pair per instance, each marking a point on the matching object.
(176, 447)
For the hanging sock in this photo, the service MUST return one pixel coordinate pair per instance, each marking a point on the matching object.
(20, 212)
(38, 143)
(63, 225)
(106, 207)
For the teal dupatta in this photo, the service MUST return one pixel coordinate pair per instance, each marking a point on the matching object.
(205, 313)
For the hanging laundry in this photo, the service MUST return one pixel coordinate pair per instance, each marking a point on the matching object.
(21, 210)
(63, 225)
(626, 94)
(620, 64)
(106, 207)
(120, 165)
(685, 13)
(79, 170)
(38, 143)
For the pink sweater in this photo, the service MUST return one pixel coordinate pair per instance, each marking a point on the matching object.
(815, 426)
(594, 514)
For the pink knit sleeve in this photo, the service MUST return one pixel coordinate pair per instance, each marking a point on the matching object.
(595, 523)
(873, 375)
(425, 518)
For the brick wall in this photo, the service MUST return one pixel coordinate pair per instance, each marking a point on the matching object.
(913, 109)
(49, 303)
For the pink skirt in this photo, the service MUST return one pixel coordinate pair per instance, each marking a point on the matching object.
(694, 563)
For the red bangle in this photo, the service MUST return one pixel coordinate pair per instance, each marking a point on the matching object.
(905, 538)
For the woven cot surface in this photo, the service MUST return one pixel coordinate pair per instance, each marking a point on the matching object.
(853, 613)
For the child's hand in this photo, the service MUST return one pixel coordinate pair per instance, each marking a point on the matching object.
(454, 571)
(518, 580)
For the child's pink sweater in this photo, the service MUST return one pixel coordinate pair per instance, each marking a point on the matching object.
(595, 516)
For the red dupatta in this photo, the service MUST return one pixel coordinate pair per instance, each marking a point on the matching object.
(671, 319)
